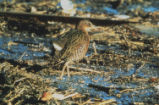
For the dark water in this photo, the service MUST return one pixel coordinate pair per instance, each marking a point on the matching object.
(23, 51)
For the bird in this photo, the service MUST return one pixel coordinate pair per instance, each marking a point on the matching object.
(73, 46)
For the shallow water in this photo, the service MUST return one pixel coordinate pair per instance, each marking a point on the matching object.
(96, 85)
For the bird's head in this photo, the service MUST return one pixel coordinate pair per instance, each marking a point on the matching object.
(86, 26)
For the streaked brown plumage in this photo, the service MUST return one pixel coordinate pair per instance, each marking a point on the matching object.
(73, 45)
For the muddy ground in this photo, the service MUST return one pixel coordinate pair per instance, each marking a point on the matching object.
(121, 66)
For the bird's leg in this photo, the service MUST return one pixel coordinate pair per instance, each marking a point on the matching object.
(68, 71)
(94, 48)
(63, 70)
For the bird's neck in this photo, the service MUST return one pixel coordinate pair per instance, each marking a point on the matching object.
(83, 29)
(87, 37)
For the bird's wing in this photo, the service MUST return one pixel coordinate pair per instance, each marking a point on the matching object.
(77, 43)
(61, 41)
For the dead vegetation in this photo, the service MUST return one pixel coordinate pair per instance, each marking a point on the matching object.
(122, 47)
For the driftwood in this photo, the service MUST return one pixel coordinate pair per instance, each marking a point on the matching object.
(64, 19)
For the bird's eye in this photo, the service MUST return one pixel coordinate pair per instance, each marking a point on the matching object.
(89, 24)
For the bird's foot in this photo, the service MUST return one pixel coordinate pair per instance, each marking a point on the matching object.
(63, 70)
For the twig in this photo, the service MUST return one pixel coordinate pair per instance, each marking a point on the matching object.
(18, 80)
(70, 95)
(20, 58)
(17, 95)
(143, 64)
(107, 101)
(84, 69)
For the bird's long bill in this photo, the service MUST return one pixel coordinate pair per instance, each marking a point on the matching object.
(95, 29)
